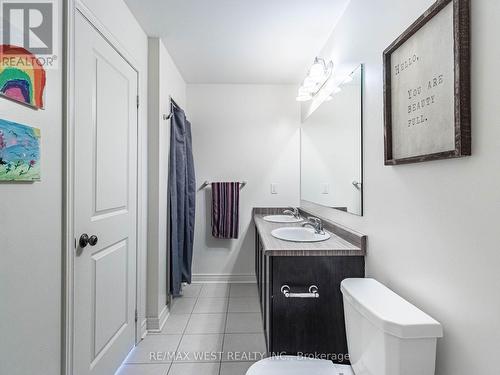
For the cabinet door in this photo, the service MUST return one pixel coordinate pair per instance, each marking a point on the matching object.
(268, 327)
(257, 257)
(311, 325)
(262, 279)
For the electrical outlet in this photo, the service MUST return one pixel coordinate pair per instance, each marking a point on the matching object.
(274, 188)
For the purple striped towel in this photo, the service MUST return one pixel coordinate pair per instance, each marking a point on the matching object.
(225, 209)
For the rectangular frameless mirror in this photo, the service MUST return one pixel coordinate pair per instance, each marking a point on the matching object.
(331, 149)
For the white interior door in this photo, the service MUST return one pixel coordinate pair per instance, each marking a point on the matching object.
(104, 204)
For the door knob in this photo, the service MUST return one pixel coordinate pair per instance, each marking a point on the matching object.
(93, 240)
(86, 240)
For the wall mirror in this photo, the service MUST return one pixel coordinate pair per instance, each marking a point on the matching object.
(332, 147)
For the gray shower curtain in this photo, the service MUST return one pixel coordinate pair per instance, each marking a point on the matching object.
(182, 200)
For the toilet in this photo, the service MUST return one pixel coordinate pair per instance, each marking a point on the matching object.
(386, 335)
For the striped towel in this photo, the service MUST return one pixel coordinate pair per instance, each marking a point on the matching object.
(225, 209)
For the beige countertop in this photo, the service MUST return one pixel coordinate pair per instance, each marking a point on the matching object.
(334, 246)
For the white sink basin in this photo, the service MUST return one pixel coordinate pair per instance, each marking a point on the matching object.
(282, 219)
(299, 234)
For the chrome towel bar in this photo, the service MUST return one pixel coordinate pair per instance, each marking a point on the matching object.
(313, 292)
(207, 184)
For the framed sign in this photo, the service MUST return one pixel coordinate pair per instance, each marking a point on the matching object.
(427, 87)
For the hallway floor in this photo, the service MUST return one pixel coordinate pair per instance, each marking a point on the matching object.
(213, 329)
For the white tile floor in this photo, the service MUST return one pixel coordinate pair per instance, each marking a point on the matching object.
(213, 329)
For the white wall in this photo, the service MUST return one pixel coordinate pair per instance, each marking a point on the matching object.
(431, 226)
(241, 133)
(31, 217)
(164, 80)
(30, 244)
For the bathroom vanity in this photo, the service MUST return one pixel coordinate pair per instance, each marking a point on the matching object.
(299, 287)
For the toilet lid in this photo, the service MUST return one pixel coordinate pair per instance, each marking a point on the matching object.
(291, 365)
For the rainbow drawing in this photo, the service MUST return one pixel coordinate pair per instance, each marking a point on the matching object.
(22, 77)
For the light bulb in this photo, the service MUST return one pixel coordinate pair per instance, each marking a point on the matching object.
(309, 82)
(317, 70)
(303, 97)
(310, 85)
(304, 91)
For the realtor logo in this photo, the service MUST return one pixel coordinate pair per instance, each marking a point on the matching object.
(29, 25)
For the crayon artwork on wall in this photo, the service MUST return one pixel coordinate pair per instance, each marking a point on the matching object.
(22, 77)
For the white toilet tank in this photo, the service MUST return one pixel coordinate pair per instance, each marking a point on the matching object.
(386, 335)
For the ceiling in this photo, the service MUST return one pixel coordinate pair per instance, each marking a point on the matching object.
(240, 41)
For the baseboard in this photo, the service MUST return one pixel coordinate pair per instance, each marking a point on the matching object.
(155, 324)
(164, 316)
(144, 329)
(223, 278)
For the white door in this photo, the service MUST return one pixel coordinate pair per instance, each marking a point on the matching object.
(105, 195)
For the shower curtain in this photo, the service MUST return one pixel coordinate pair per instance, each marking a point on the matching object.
(182, 196)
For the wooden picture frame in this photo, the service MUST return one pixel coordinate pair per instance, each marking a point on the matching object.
(459, 106)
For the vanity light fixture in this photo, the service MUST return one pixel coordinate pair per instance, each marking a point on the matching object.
(319, 73)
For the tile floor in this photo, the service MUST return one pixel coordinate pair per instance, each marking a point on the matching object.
(213, 329)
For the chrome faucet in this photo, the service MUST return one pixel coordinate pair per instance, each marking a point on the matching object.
(294, 211)
(315, 223)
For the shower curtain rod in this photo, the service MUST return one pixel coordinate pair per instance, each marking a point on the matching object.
(172, 103)
(207, 184)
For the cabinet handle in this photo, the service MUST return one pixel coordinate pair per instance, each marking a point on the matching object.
(313, 292)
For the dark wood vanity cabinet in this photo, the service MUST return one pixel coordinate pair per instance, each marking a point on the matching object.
(304, 325)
